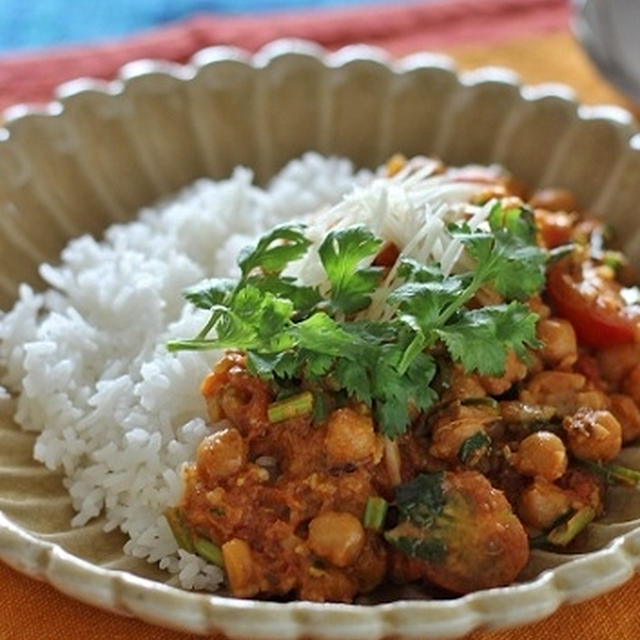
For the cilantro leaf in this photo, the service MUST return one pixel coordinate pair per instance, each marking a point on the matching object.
(341, 253)
(354, 378)
(211, 292)
(304, 298)
(425, 301)
(411, 270)
(471, 340)
(480, 338)
(275, 250)
(322, 334)
(507, 256)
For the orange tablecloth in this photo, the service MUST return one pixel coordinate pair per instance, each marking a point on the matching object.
(542, 52)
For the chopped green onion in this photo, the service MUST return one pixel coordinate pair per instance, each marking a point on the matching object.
(178, 529)
(375, 513)
(613, 473)
(299, 405)
(486, 401)
(613, 259)
(557, 253)
(209, 551)
(320, 407)
(564, 533)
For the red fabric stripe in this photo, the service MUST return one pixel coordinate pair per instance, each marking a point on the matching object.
(400, 29)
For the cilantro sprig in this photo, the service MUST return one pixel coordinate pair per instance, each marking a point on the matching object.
(295, 333)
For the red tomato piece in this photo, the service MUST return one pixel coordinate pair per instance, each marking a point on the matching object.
(595, 325)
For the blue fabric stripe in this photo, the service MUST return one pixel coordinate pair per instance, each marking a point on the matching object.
(38, 23)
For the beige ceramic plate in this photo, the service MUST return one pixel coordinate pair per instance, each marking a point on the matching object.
(104, 149)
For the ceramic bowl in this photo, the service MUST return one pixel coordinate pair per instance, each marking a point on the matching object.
(101, 150)
(609, 33)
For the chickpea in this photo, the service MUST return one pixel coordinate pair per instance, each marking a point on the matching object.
(542, 503)
(616, 362)
(542, 454)
(560, 348)
(631, 384)
(514, 371)
(221, 455)
(350, 437)
(593, 435)
(627, 414)
(336, 536)
(239, 567)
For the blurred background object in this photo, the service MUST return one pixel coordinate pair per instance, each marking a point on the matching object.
(609, 30)
(27, 24)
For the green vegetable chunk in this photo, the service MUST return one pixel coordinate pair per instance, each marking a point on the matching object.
(375, 513)
(293, 407)
(178, 529)
(209, 551)
(613, 473)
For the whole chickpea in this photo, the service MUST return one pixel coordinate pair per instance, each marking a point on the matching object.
(336, 536)
(560, 348)
(220, 455)
(542, 503)
(627, 414)
(350, 437)
(541, 454)
(593, 434)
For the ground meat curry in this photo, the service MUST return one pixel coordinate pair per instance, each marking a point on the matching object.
(305, 490)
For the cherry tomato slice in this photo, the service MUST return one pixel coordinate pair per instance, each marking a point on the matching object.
(595, 325)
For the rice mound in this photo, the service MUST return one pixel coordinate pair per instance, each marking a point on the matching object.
(115, 411)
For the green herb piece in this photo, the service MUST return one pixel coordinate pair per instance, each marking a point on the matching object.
(275, 250)
(424, 526)
(564, 533)
(613, 473)
(481, 338)
(485, 401)
(613, 259)
(474, 447)
(321, 406)
(304, 298)
(375, 513)
(506, 256)
(422, 499)
(209, 293)
(293, 407)
(178, 529)
(559, 252)
(341, 254)
(209, 551)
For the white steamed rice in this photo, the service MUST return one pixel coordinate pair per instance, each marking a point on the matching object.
(114, 410)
